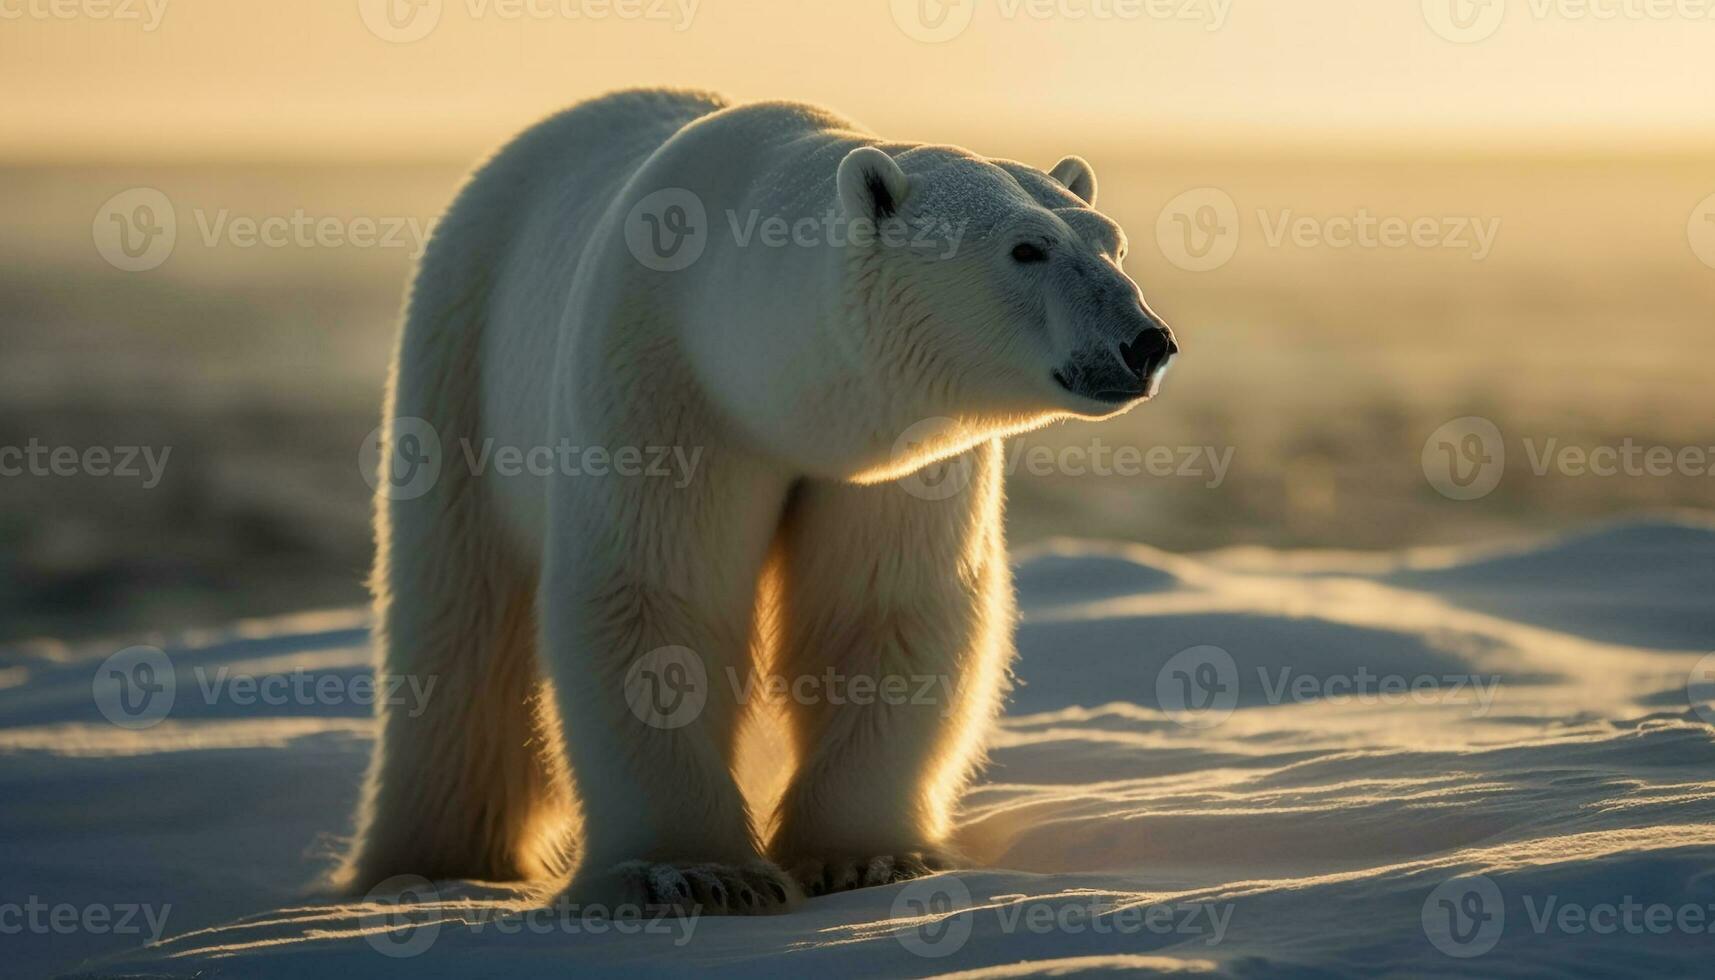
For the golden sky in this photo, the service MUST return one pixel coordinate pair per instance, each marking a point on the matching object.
(127, 78)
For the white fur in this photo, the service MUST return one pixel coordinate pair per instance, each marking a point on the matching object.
(794, 370)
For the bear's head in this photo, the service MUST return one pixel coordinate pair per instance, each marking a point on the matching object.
(993, 291)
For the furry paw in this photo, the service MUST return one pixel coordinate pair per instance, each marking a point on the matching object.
(756, 888)
(825, 876)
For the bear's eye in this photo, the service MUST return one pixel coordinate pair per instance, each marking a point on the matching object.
(1029, 252)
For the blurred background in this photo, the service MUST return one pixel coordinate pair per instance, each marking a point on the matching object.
(1364, 218)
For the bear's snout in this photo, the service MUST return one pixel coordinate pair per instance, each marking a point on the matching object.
(1148, 353)
(1126, 371)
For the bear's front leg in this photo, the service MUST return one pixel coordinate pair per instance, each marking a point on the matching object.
(898, 616)
(648, 596)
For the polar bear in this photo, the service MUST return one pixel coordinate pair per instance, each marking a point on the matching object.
(927, 303)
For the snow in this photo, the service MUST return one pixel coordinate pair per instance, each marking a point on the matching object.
(1544, 803)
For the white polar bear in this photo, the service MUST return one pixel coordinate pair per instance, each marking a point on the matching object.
(804, 373)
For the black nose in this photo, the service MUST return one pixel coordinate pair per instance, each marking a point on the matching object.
(1149, 352)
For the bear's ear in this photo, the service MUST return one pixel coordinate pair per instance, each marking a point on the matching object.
(871, 184)
(1078, 178)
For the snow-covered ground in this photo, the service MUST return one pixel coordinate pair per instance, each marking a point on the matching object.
(1250, 763)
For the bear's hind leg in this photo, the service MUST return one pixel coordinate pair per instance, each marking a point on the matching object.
(466, 781)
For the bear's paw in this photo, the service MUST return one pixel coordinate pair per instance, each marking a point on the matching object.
(644, 887)
(829, 875)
